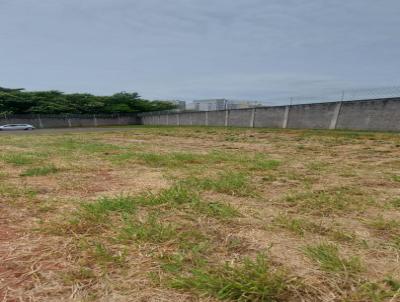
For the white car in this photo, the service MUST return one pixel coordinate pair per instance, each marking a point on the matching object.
(11, 127)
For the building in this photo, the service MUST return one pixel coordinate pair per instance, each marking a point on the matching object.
(221, 104)
(210, 104)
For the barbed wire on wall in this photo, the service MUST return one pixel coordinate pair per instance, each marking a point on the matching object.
(340, 95)
(336, 96)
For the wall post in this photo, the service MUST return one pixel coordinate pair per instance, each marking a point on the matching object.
(335, 116)
(206, 121)
(40, 121)
(178, 119)
(253, 114)
(226, 118)
(167, 119)
(286, 117)
(94, 120)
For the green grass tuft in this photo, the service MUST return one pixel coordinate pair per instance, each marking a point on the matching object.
(299, 226)
(396, 178)
(150, 230)
(98, 210)
(177, 194)
(171, 160)
(252, 281)
(328, 258)
(259, 162)
(19, 159)
(231, 183)
(330, 201)
(40, 171)
(396, 203)
(104, 256)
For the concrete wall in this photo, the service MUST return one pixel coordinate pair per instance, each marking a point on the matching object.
(216, 118)
(240, 118)
(60, 121)
(185, 119)
(380, 114)
(311, 116)
(271, 117)
(199, 118)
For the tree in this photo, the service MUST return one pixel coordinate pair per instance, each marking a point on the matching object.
(19, 101)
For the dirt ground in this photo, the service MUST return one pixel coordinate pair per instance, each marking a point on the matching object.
(200, 214)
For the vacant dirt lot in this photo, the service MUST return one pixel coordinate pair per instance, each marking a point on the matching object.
(200, 214)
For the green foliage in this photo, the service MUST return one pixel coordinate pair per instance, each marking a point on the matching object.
(17, 101)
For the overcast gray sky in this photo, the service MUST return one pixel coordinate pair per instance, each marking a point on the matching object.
(168, 49)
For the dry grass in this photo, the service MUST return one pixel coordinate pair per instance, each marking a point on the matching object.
(200, 214)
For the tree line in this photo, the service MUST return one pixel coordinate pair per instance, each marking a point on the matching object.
(19, 101)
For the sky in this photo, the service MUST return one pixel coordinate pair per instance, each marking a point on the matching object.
(197, 49)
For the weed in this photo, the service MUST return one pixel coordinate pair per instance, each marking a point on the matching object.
(121, 158)
(386, 227)
(231, 183)
(11, 191)
(150, 230)
(396, 203)
(342, 236)
(19, 159)
(217, 209)
(40, 171)
(259, 162)
(177, 194)
(396, 178)
(393, 283)
(372, 291)
(331, 201)
(169, 159)
(299, 225)
(98, 210)
(103, 255)
(250, 281)
(328, 258)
